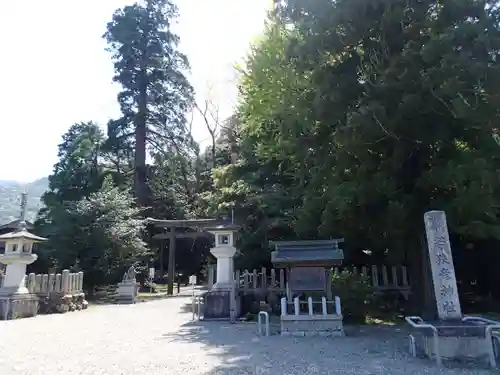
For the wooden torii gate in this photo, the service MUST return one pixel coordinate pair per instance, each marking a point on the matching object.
(170, 233)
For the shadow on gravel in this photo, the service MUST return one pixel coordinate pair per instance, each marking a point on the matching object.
(366, 350)
(187, 308)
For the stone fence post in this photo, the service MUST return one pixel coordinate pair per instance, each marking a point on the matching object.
(80, 282)
(65, 282)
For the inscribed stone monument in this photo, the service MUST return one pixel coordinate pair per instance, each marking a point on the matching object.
(443, 271)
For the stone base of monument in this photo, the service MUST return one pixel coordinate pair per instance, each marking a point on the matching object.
(457, 340)
(217, 305)
(18, 306)
(458, 348)
(126, 293)
(312, 325)
(470, 338)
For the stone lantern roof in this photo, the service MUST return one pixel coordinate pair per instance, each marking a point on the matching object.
(21, 234)
(223, 228)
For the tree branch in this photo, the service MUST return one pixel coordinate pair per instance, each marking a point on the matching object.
(182, 160)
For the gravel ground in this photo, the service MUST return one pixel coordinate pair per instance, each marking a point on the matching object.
(158, 338)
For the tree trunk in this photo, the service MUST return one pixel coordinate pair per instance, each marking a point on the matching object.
(171, 262)
(212, 134)
(140, 183)
(162, 251)
(423, 299)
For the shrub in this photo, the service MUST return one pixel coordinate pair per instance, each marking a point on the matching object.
(356, 295)
(249, 317)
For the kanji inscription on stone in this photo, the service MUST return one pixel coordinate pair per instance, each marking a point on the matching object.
(441, 260)
(445, 274)
(449, 307)
(446, 291)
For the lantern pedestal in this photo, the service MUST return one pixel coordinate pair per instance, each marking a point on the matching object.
(18, 306)
(15, 299)
(225, 267)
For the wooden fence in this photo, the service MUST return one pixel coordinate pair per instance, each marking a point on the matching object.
(381, 277)
(65, 283)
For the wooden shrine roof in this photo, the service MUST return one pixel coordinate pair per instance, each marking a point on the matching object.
(324, 252)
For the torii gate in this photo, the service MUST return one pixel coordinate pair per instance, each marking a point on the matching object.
(170, 227)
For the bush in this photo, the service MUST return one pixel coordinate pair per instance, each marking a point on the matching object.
(249, 317)
(356, 295)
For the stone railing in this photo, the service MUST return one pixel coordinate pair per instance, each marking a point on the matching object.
(313, 321)
(59, 292)
(321, 307)
(64, 283)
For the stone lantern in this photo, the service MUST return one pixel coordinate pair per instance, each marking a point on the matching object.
(15, 298)
(222, 301)
(224, 250)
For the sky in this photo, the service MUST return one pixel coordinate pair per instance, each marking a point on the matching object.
(54, 69)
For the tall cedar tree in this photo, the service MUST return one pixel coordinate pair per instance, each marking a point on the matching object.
(156, 95)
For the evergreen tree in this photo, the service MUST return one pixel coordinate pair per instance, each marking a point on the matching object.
(155, 93)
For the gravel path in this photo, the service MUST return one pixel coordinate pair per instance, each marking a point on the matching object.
(158, 338)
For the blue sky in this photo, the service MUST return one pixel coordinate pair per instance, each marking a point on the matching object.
(54, 70)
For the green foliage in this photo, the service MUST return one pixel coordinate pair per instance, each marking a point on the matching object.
(100, 234)
(357, 117)
(249, 317)
(78, 172)
(356, 295)
(91, 224)
(259, 187)
(402, 117)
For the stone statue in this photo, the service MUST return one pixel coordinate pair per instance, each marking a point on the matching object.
(129, 275)
(127, 289)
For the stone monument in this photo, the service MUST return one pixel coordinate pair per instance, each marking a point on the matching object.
(127, 289)
(443, 271)
(221, 301)
(452, 336)
(15, 299)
